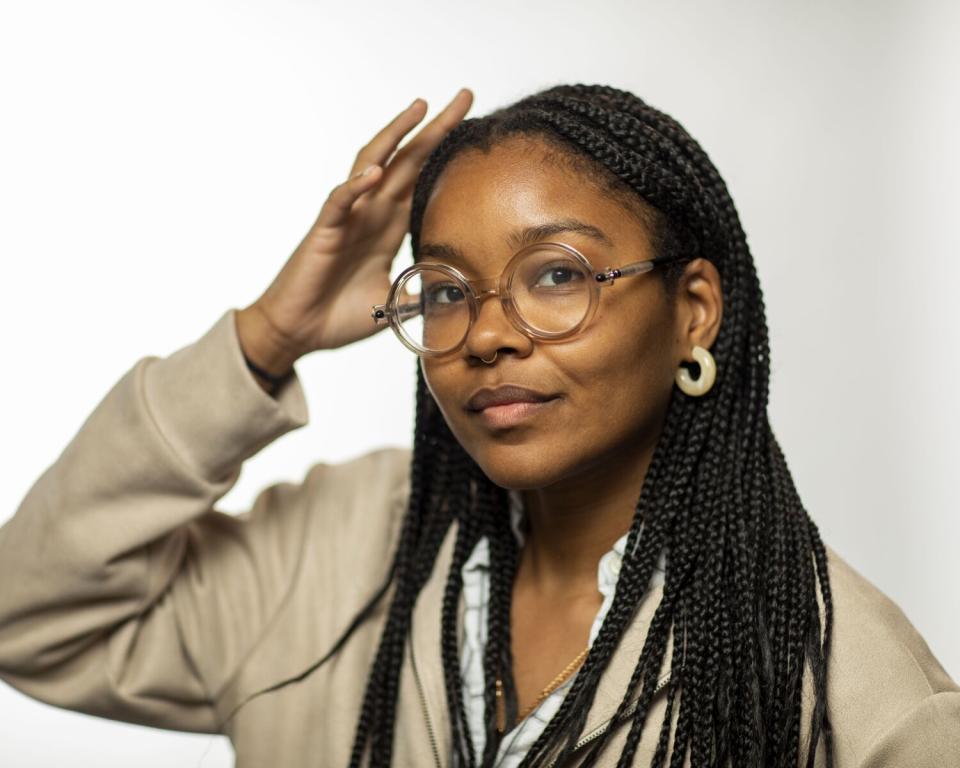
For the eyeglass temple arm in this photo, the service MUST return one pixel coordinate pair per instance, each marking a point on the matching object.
(379, 312)
(608, 275)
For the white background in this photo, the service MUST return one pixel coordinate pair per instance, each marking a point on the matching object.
(161, 161)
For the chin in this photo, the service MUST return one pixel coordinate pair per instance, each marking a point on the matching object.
(516, 466)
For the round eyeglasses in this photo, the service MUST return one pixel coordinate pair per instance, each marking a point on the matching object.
(548, 291)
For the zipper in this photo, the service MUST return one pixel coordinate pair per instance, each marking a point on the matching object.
(597, 732)
(426, 712)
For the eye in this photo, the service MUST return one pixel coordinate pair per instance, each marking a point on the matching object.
(557, 275)
(443, 293)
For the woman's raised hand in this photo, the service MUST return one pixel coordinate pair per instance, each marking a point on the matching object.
(321, 298)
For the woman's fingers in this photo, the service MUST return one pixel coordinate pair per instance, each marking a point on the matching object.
(337, 206)
(403, 169)
(379, 149)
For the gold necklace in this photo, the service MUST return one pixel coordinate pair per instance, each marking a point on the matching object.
(550, 688)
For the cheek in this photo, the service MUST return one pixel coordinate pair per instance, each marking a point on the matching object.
(623, 384)
(627, 353)
(442, 385)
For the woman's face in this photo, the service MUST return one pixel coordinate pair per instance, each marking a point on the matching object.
(611, 383)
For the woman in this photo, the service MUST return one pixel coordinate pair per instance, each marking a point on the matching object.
(593, 555)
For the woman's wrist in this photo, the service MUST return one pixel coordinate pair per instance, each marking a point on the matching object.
(269, 360)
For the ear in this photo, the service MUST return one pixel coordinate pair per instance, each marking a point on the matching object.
(699, 308)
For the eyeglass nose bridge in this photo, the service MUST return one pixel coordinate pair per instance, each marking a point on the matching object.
(499, 285)
(480, 293)
(483, 288)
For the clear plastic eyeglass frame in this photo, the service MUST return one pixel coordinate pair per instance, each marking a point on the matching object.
(394, 313)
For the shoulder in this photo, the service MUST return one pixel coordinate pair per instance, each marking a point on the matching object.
(342, 526)
(872, 632)
(368, 492)
(382, 472)
(881, 672)
(355, 508)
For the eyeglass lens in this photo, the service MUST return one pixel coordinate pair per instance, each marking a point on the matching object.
(551, 292)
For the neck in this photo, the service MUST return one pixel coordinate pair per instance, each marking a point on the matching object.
(573, 523)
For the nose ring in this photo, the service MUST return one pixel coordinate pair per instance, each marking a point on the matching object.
(488, 362)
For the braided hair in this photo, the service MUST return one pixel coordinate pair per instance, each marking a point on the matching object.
(743, 559)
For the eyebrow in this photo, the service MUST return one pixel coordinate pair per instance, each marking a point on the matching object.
(519, 238)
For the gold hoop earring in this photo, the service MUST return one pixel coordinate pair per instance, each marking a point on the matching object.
(488, 362)
(708, 374)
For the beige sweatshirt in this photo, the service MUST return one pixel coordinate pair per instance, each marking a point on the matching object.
(125, 593)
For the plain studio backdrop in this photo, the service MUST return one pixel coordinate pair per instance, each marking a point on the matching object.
(161, 161)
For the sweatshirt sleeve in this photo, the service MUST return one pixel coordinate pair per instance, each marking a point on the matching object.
(87, 561)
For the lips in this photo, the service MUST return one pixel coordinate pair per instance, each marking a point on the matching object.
(508, 393)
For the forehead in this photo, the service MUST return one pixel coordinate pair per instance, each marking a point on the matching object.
(482, 201)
